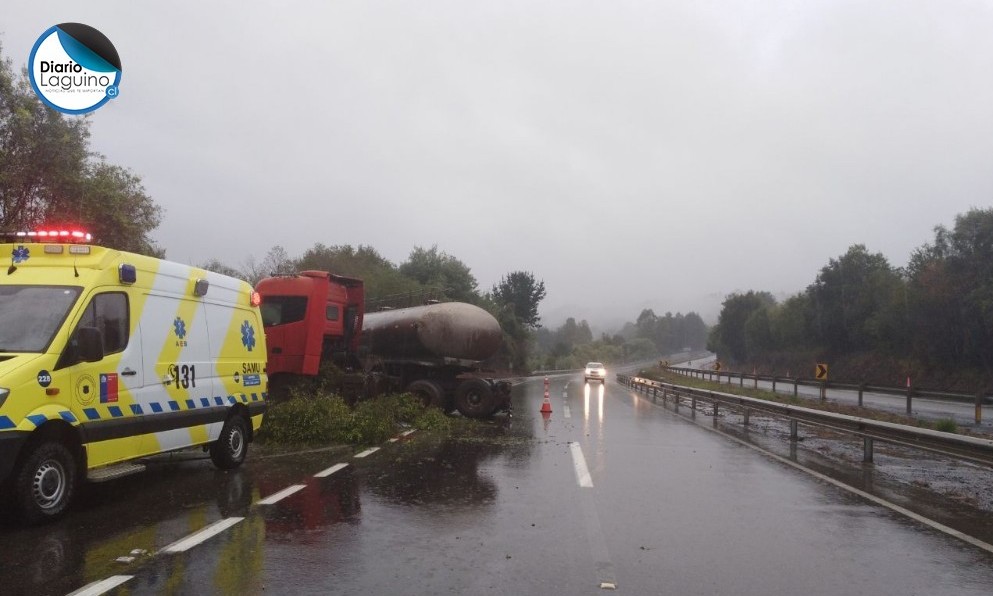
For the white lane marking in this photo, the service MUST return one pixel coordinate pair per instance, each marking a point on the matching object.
(566, 412)
(102, 586)
(275, 498)
(210, 531)
(405, 433)
(367, 452)
(331, 470)
(579, 463)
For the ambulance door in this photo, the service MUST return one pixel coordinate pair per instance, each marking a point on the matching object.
(103, 391)
(239, 357)
(177, 362)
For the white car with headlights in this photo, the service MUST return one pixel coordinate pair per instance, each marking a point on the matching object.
(595, 372)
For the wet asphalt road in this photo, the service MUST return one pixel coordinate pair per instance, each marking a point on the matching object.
(667, 507)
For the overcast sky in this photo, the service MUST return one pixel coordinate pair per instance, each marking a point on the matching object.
(631, 154)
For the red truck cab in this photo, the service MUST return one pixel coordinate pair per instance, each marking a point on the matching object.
(311, 316)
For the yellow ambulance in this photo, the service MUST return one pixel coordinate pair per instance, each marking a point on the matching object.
(107, 357)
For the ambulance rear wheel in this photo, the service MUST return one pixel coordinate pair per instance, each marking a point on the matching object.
(230, 449)
(45, 482)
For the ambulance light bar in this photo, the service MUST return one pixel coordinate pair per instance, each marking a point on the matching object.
(60, 236)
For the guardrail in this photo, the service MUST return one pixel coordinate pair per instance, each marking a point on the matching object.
(909, 393)
(964, 447)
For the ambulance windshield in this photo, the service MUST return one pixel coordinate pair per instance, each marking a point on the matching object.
(30, 316)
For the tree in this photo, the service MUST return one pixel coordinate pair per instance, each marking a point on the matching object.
(728, 337)
(48, 176)
(522, 293)
(694, 332)
(382, 279)
(645, 323)
(432, 268)
(950, 287)
(113, 206)
(275, 261)
(789, 323)
(848, 297)
(217, 266)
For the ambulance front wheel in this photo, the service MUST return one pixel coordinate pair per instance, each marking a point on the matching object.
(45, 482)
(230, 449)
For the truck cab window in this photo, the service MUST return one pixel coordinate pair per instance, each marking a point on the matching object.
(280, 310)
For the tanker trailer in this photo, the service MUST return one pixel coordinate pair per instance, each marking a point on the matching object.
(434, 351)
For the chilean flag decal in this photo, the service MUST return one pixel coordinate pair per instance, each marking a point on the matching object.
(108, 388)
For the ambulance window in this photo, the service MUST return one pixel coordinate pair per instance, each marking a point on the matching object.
(108, 313)
(280, 310)
(332, 312)
(30, 316)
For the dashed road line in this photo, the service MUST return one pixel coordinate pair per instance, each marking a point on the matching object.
(367, 452)
(594, 531)
(275, 498)
(331, 470)
(579, 463)
(203, 535)
(405, 433)
(184, 544)
(102, 586)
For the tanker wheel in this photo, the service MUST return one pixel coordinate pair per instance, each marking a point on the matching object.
(430, 392)
(474, 398)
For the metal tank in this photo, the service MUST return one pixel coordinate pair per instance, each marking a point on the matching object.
(447, 330)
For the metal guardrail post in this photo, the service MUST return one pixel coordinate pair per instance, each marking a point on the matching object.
(910, 393)
(861, 391)
(693, 406)
(746, 416)
(756, 381)
(823, 391)
(793, 431)
(795, 383)
(867, 450)
(979, 407)
(773, 383)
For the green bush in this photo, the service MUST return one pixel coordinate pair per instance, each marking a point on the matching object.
(946, 425)
(321, 419)
(433, 419)
(308, 421)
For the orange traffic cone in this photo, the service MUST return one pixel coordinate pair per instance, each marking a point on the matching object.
(546, 406)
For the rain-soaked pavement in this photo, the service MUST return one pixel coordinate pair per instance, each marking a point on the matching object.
(609, 491)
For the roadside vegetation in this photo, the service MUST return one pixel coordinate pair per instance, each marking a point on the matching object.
(312, 412)
(323, 419)
(944, 425)
(932, 320)
(572, 345)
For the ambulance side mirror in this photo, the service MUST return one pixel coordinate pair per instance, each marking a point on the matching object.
(89, 342)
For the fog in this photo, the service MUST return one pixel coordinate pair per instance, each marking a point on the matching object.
(631, 154)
